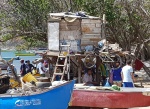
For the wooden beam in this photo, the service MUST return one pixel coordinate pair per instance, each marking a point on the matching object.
(95, 39)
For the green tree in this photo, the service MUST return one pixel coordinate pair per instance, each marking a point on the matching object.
(128, 21)
(26, 19)
(130, 25)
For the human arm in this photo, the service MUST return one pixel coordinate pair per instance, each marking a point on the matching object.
(43, 69)
(132, 74)
(111, 76)
(7, 69)
(32, 66)
(122, 76)
(21, 69)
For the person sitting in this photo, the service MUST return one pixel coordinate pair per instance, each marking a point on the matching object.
(88, 79)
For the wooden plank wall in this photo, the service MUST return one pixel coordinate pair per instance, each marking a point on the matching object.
(88, 30)
(91, 31)
(70, 30)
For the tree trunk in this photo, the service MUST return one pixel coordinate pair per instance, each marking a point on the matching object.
(147, 50)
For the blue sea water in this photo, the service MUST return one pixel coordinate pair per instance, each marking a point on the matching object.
(16, 63)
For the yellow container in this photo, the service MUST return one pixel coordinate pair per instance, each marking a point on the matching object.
(14, 83)
(29, 77)
(37, 74)
(65, 53)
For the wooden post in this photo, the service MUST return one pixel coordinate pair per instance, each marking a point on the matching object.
(97, 70)
(79, 74)
(79, 69)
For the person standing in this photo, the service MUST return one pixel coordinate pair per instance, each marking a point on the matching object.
(127, 75)
(115, 74)
(41, 68)
(29, 67)
(22, 68)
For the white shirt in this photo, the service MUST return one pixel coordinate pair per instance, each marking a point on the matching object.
(87, 78)
(40, 66)
(127, 73)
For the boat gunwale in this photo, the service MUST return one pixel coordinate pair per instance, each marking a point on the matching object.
(47, 89)
(87, 89)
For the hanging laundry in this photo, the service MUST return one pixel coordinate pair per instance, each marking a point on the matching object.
(103, 70)
(138, 64)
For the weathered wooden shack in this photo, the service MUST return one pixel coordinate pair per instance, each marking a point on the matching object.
(78, 31)
(75, 29)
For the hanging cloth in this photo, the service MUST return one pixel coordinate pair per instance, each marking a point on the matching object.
(138, 64)
(103, 70)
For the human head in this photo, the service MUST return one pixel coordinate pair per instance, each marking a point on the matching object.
(21, 61)
(12, 65)
(28, 61)
(42, 60)
(128, 62)
(89, 71)
(117, 64)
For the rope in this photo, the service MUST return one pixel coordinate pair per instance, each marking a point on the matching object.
(70, 19)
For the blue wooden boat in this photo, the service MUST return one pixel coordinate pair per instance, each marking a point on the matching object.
(55, 98)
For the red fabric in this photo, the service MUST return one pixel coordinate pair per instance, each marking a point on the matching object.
(138, 64)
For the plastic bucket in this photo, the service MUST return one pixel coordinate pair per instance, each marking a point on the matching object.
(29, 77)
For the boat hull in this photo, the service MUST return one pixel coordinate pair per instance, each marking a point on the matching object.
(109, 99)
(46, 100)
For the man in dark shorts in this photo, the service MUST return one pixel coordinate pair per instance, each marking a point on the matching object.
(127, 75)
